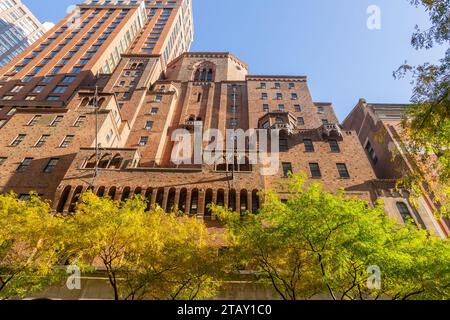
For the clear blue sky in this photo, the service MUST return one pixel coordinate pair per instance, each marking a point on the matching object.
(327, 40)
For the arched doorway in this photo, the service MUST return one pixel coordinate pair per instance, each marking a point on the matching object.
(255, 201)
(194, 202)
(232, 200)
(160, 197)
(75, 199)
(171, 200)
(183, 199)
(244, 204)
(208, 201)
(63, 199)
(126, 194)
(221, 197)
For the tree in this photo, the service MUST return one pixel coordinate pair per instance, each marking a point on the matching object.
(30, 246)
(146, 255)
(321, 244)
(427, 122)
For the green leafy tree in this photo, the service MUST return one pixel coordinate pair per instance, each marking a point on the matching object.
(318, 244)
(30, 246)
(427, 122)
(146, 255)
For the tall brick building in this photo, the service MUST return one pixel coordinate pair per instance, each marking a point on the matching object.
(137, 69)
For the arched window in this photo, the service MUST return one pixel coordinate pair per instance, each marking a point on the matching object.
(194, 202)
(126, 194)
(182, 201)
(101, 192)
(197, 75)
(84, 102)
(171, 200)
(232, 200)
(255, 201)
(244, 203)
(75, 199)
(104, 161)
(91, 162)
(116, 162)
(160, 197)
(63, 199)
(203, 74)
(148, 197)
(210, 75)
(221, 197)
(404, 212)
(208, 201)
(112, 192)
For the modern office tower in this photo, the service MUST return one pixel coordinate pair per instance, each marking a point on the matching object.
(110, 124)
(18, 29)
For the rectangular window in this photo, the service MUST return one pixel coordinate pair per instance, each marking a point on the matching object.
(60, 89)
(69, 79)
(18, 140)
(265, 108)
(281, 107)
(42, 140)
(38, 89)
(158, 98)
(154, 111)
(320, 110)
(309, 146)
(325, 121)
(284, 145)
(16, 89)
(24, 164)
(287, 169)
(262, 85)
(300, 121)
(149, 125)
(371, 152)
(263, 96)
(294, 96)
(51, 165)
(343, 172)
(334, 146)
(79, 122)
(291, 85)
(277, 85)
(143, 141)
(56, 121)
(233, 122)
(2, 160)
(67, 141)
(298, 108)
(47, 79)
(315, 170)
(34, 120)
(279, 96)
